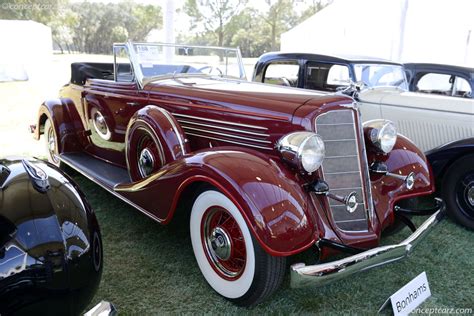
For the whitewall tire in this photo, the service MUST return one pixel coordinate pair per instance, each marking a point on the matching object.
(230, 260)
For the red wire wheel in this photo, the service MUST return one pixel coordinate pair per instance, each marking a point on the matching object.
(229, 258)
(223, 243)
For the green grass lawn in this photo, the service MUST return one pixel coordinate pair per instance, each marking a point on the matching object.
(150, 269)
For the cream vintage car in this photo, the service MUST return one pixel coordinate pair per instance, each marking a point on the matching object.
(429, 120)
(441, 125)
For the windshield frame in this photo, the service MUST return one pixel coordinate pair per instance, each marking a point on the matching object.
(143, 80)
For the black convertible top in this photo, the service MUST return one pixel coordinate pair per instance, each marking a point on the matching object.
(80, 72)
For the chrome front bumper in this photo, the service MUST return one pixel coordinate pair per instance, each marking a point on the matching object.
(322, 274)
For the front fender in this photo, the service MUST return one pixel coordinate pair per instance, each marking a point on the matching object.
(274, 205)
(442, 157)
(404, 158)
(66, 122)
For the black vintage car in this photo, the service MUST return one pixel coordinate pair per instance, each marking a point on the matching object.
(50, 243)
(454, 81)
(326, 72)
(453, 166)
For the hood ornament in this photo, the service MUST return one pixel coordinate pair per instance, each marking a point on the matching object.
(38, 177)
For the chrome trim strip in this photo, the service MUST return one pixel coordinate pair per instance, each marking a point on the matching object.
(342, 172)
(139, 185)
(339, 205)
(339, 140)
(348, 156)
(175, 128)
(417, 108)
(230, 141)
(363, 157)
(351, 220)
(224, 128)
(227, 135)
(325, 273)
(365, 165)
(221, 122)
(112, 192)
(335, 124)
(346, 188)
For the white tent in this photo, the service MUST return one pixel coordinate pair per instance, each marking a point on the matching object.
(26, 50)
(402, 30)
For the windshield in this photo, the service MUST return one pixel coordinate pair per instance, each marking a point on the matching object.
(378, 75)
(155, 60)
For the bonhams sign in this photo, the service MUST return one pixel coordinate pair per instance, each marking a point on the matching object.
(411, 295)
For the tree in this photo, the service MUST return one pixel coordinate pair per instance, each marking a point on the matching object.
(99, 25)
(213, 15)
(249, 32)
(280, 16)
(314, 6)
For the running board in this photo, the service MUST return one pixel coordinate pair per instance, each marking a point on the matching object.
(105, 174)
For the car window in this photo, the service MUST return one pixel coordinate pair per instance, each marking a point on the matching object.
(283, 73)
(435, 83)
(326, 77)
(381, 75)
(124, 72)
(444, 84)
(462, 88)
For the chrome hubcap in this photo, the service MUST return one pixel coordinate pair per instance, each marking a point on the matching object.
(52, 145)
(146, 163)
(220, 243)
(470, 194)
(101, 126)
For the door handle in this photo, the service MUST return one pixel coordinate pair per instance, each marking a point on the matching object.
(133, 103)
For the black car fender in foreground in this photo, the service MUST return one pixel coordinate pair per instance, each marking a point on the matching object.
(50, 242)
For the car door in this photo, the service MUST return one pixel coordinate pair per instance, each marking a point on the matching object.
(109, 105)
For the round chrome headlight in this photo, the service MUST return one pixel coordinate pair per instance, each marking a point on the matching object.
(382, 134)
(304, 150)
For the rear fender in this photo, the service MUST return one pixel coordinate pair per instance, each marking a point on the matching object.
(404, 158)
(66, 122)
(274, 205)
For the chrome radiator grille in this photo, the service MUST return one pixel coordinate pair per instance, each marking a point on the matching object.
(341, 167)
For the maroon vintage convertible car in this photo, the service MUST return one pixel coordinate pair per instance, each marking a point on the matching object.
(266, 172)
